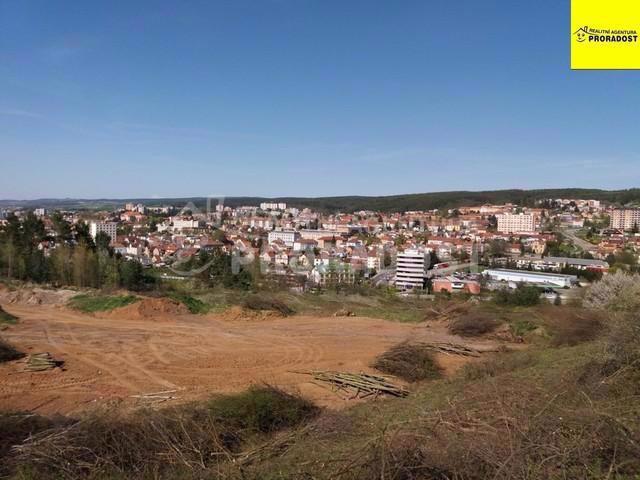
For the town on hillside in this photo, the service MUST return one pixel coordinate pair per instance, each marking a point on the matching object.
(557, 244)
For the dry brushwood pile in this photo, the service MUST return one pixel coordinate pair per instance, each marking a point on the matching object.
(444, 313)
(357, 385)
(410, 362)
(38, 362)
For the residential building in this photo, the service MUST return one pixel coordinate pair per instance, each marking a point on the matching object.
(288, 237)
(317, 234)
(411, 269)
(273, 206)
(625, 218)
(332, 274)
(110, 228)
(180, 223)
(516, 223)
(558, 263)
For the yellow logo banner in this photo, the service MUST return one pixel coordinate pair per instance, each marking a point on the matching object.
(605, 34)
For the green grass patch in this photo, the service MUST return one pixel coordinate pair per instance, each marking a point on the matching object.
(521, 327)
(6, 317)
(193, 304)
(100, 303)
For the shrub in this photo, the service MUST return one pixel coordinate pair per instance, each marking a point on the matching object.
(473, 325)
(521, 327)
(173, 442)
(112, 444)
(259, 302)
(510, 430)
(100, 303)
(8, 352)
(522, 295)
(618, 291)
(16, 427)
(261, 409)
(622, 347)
(410, 362)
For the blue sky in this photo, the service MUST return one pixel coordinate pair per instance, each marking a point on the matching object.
(304, 97)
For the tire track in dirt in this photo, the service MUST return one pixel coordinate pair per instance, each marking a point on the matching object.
(97, 364)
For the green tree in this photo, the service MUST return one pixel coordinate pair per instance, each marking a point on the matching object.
(131, 274)
(102, 241)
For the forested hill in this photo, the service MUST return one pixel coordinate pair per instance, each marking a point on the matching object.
(393, 203)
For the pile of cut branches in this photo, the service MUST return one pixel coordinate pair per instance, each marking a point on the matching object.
(410, 362)
(444, 313)
(450, 348)
(360, 385)
(38, 362)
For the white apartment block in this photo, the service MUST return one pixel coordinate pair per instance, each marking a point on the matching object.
(273, 206)
(289, 237)
(411, 269)
(185, 223)
(110, 228)
(516, 223)
(625, 218)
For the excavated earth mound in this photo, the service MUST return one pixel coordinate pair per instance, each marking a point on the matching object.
(148, 309)
(35, 296)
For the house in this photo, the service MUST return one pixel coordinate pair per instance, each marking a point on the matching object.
(304, 244)
(288, 237)
(333, 274)
(373, 260)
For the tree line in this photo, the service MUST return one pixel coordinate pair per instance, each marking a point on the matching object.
(77, 260)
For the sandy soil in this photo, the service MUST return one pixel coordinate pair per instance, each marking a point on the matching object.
(109, 358)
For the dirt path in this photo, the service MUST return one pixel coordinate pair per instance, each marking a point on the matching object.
(110, 359)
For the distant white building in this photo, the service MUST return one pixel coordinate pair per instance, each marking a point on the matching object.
(516, 223)
(185, 223)
(288, 237)
(317, 234)
(110, 228)
(273, 206)
(40, 212)
(411, 269)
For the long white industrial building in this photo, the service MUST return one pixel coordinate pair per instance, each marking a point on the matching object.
(535, 278)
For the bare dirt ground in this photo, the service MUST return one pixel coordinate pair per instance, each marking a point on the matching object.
(110, 357)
